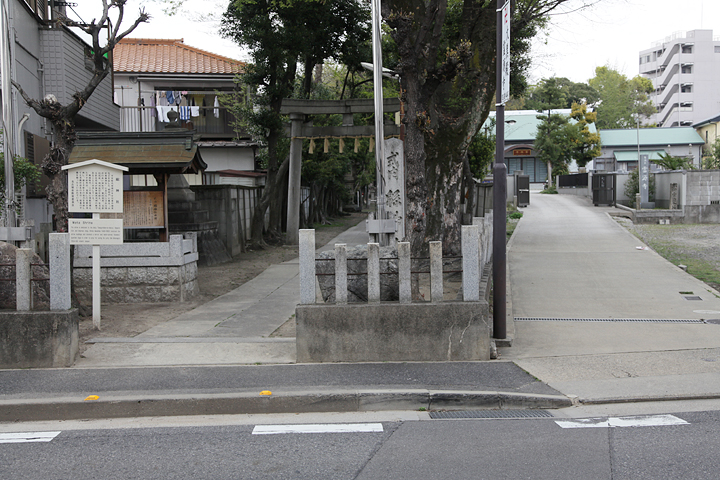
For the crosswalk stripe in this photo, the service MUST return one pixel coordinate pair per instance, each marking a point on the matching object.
(318, 428)
(27, 437)
(634, 421)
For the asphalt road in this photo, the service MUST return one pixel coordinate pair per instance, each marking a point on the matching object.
(682, 445)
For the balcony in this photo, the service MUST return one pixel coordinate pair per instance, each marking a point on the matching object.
(210, 122)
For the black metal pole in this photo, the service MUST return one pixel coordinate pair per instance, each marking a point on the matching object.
(499, 198)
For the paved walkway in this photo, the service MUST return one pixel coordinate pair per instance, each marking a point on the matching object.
(570, 261)
(232, 329)
(595, 318)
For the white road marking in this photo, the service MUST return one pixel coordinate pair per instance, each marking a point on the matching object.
(27, 437)
(318, 428)
(635, 421)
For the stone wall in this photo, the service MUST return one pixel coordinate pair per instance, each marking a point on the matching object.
(140, 272)
(448, 331)
(703, 187)
(404, 330)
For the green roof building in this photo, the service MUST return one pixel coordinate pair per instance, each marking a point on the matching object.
(620, 147)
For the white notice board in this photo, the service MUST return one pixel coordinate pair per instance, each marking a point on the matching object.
(95, 231)
(95, 188)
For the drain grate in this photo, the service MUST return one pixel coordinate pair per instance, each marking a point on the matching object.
(624, 320)
(492, 414)
(692, 298)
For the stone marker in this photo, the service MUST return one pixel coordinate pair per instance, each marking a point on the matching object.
(471, 262)
(59, 271)
(436, 272)
(341, 293)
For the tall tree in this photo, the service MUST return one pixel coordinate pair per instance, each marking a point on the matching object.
(104, 33)
(555, 141)
(280, 35)
(622, 100)
(446, 51)
(551, 93)
(588, 143)
(559, 92)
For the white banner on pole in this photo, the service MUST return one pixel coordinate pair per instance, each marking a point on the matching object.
(505, 82)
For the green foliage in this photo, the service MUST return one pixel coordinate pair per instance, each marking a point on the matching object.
(587, 143)
(515, 215)
(632, 186)
(669, 162)
(481, 151)
(24, 171)
(622, 100)
(559, 92)
(712, 160)
(556, 140)
(550, 190)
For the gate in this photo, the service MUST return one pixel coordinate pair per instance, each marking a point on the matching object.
(522, 190)
(603, 186)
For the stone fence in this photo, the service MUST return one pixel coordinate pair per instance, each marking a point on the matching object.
(403, 330)
(35, 339)
(140, 272)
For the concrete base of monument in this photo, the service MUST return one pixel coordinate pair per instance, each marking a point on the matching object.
(392, 332)
(38, 339)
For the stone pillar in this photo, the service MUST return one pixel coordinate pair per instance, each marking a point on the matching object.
(471, 263)
(293, 209)
(307, 266)
(674, 195)
(373, 272)
(340, 273)
(404, 276)
(23, 276)
(436, 273)
(59, 271)
(394, 176)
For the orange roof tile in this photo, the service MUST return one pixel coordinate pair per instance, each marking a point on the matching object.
(153, 55)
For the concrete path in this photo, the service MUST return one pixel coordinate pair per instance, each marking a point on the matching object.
(598, 317)
(231, 329)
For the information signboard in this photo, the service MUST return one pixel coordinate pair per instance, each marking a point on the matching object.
(95, 188)
(95, 231)
(505, 82)
(144, 209)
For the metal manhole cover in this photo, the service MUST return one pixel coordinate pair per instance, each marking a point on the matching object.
(492, 414)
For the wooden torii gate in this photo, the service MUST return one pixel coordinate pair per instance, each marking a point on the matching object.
(298, 110)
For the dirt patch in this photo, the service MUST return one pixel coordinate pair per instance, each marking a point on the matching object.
(130, 319)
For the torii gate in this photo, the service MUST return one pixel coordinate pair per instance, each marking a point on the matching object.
(298, 110)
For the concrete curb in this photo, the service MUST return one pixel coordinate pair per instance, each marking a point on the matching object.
(140, 405)
(648, 398)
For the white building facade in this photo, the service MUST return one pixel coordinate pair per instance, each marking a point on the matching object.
(684, 69)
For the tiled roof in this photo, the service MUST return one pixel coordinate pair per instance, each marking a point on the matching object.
(152, 55)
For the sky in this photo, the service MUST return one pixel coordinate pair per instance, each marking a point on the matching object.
(612, 32)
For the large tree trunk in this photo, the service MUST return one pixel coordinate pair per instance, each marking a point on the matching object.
(447, 96)
(63, 141)
(257, 225)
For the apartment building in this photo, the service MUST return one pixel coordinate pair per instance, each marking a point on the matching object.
(684, 69)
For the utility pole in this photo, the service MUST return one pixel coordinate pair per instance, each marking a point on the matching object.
(502, 67)
(8, 123)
